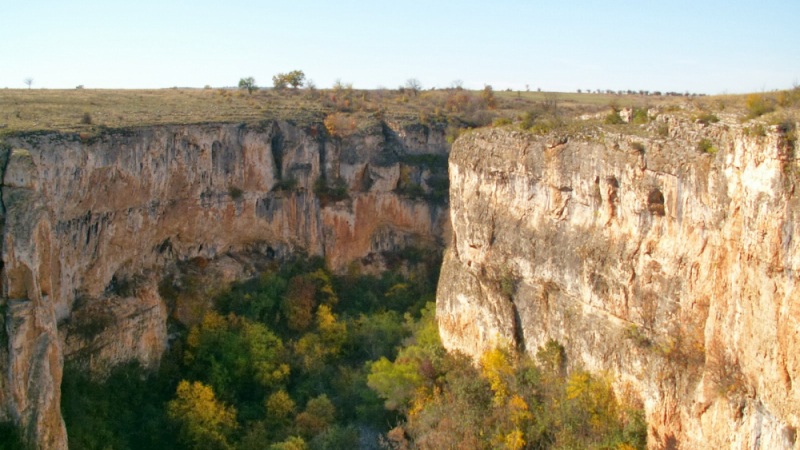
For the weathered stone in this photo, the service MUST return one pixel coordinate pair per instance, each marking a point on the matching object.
(82, 215)
(673, 269)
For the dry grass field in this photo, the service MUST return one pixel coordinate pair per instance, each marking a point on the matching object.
(76, 110)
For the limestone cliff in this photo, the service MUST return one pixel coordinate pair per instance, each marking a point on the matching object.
(89, 223)
(673, 268)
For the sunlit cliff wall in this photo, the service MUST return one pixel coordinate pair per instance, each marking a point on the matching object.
(672, 268)
(83, 213)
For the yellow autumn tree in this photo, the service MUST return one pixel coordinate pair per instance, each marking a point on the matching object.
(496, 367)
(315, 348)
(205, 423)
(280, 409)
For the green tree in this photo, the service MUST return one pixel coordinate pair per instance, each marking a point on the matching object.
(280, 410)
(317, 417)
(205, 423)
(230, 352)
(295, 79)
(248, 83)
(378, 334)
(398, 382)
(293, 443)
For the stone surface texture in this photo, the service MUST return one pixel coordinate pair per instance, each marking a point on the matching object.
(83, 215)
(674, 270)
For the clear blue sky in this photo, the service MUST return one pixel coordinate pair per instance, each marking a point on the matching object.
(698, 46)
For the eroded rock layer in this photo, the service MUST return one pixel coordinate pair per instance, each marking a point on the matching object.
(90, 223)
(672, 268)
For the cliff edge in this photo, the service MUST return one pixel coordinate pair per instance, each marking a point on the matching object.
(92, 222)
(666, 257)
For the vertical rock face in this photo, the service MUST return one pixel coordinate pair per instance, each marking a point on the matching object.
(674, 269)
(83, 215)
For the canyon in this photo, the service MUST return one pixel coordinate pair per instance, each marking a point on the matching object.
(668, 265)
(92, 223)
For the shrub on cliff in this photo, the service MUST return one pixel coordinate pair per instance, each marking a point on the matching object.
(707, 117)
(706, 146)
(340, 125)
(235, 193)
(333, 193)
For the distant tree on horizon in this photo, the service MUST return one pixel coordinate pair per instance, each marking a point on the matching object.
(413, 85)
(29, 82)
(295, 79)
(248, 83)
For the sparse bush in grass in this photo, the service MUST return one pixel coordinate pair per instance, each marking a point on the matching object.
(789, 98)
(527, 119)
(499, 122)
(340, 125)
(640, 116)
(759, 104)
(613, 118)
(542, 127)
(86, 118)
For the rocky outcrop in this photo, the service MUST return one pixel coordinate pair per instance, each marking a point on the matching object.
(673, 268)
(91, 221)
